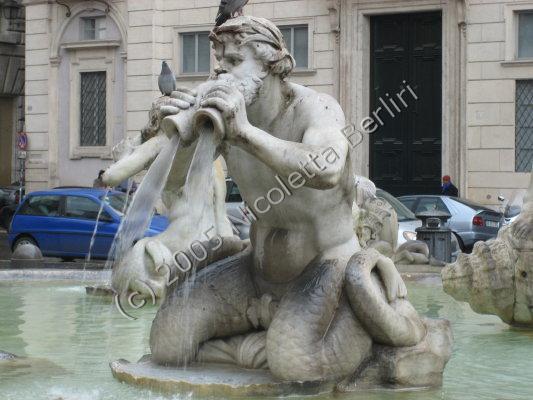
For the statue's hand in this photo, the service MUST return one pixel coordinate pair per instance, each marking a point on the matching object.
(181, 99)
(394, 284)
(231, 104)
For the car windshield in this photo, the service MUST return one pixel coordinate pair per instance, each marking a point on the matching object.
(404, 214)
(118, 202)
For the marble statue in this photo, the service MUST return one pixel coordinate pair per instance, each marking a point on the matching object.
(302, 299)
(497, 278)
(134, 154)
(376, 225)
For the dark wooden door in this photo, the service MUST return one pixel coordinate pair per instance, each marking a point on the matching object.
(406, 102)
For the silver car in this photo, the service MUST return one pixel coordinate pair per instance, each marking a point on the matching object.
(470, 222)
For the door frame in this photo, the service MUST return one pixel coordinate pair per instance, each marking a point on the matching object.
(354, 67)
(13, 132)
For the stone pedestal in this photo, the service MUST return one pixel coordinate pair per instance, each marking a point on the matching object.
(416, 367)
(211, 380)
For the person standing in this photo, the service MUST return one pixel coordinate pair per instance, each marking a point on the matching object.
(448, 188)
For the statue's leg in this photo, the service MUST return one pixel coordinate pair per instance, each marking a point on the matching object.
(314, 334)
(378, 298)
(212, 304)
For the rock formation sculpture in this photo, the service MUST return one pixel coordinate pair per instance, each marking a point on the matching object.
(302, 299)
(497, 278)
(376, 225)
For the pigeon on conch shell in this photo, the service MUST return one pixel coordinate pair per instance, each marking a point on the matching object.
(167, 80)
(229, 9)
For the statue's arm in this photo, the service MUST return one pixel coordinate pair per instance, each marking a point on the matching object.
(135, 162)
(321, 156)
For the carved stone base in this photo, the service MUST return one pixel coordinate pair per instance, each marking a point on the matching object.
(409, 367)
(403, 368)
(210, 380)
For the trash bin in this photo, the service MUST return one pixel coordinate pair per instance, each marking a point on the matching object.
(437, 236)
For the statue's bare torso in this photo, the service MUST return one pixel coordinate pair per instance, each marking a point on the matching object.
(308, 221)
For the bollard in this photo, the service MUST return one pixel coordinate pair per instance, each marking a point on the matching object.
(437, 236)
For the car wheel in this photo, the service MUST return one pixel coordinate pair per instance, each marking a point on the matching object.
(24, 240)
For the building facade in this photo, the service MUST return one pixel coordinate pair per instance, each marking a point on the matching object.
(430, 87)
(11, 87)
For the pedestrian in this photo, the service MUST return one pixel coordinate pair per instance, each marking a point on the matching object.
(99, 182)
(448, 188)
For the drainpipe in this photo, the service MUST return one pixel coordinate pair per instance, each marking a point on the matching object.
(333, 7)
(462, 8)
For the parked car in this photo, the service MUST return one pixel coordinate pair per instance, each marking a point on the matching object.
(470, 222)
(10, 198)
(61, 222)
(236, 210)
(5, 196)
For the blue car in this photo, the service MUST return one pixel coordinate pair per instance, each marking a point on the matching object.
(61, 222)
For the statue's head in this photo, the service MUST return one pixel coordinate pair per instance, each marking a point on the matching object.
(249, 49)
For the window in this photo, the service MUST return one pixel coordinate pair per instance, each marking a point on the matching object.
(431, 204)
(524, 126)
(409, 202)
(233, 194)
(93, 28)
(525, 34)
(297, 40)
(119, 202)
(83, 208)
(402, 212)
(93, 109)
(195, 53)
(44, 206)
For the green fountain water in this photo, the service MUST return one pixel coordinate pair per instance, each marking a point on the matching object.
(69, 339)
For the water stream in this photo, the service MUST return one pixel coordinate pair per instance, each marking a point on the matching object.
(95, 230)
(198, 192)
(140, 212)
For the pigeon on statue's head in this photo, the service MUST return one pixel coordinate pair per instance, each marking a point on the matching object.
(229, 9)
(167, 80)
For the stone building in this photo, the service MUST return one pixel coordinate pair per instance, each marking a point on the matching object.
(11, 87)
(437, 86)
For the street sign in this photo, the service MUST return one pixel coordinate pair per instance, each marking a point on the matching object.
(22, 141)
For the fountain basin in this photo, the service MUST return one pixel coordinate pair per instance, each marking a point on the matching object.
(47, 315)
